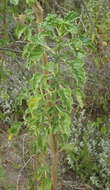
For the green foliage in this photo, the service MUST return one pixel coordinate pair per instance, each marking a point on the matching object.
(14, 2)
(14, 130)
(31, 1)
(50, 96)
(90, 156)
(96, 24)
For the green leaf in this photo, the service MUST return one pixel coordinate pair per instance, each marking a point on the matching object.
(50, 67)
(66, 98)
(67, 147)
(28, 33)
(34, 102)
(79, 98)
(2, 115)
(64, 123)
(71, 16)
(36, 80)
(104, 130)
(33, 52)
(79, 72)
(73, 29)
(14, 2)
(14, 130)
(20, 30)
(30, 1)
(81, 56)
(77, 43)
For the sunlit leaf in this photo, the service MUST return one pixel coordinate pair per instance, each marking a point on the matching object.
(68, 147)
(14, 2)
(79, 98)
(30, 1)
(20, 30)
(34, 102)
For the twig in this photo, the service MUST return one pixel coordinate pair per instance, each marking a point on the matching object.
(20, 173)
(12, 50)
(24, 148)
(62, 9)
(81, 20)
(77, 186)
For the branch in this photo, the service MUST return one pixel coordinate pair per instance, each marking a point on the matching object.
(8, 49)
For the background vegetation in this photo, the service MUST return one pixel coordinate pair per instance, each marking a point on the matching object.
(55, 82)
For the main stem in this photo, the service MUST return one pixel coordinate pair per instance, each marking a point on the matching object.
(54, 160)
(38, 11)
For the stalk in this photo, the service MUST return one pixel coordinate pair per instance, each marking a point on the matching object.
(38, 11)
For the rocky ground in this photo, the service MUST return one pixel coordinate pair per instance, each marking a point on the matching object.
(17, 165)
